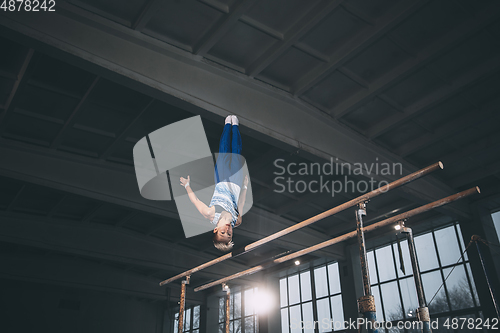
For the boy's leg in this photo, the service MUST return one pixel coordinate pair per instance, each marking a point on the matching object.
(222, 165)
(236, 159)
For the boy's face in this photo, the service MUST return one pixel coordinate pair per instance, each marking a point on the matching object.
(224, 231)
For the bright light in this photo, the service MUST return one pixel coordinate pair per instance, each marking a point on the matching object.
(297, 262)
(397, 227)
(262, 301)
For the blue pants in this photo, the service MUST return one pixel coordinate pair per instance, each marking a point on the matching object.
(229, 161)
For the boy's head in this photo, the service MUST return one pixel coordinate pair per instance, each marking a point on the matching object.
(223, 233)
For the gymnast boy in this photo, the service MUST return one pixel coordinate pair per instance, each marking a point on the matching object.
(230, 189)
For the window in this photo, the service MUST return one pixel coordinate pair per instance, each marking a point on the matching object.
(242, 315)
(496, 222)
(310, 299)
(437, 252)
(191, 320)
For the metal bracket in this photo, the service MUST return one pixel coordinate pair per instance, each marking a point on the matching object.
(423, 314)
(366, 304)
(186, 281)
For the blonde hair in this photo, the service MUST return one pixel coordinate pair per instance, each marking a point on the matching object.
(221, 246)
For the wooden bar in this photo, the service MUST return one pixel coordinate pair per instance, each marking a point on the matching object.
(365, 197)
(352, 234)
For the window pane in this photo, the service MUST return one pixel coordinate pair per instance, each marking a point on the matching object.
(432, 281)
(249, 324)
(221, 310)
(409, 294)
(406, 258)
(334, 278)
(285, 328)
(295, 319)
(283, 293)
(392, 303)
(248, 302)
(458, 288)
(307, 312)
(176, 323)
(237, 326)
(461, 239)
(237, 305)
(231, 306)
(221, 328)
(305, 286)
(426, 252)
(447, 245)
(371, 266)
(338, 312)
(196, 317)
(496, 222)
(378, 304)
(320, 282)
(187, 320)
(474, 291)
(293, 289)
(323, 306)
(385, 264)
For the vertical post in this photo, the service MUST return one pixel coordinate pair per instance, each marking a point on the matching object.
(182, 304)
(476, 239)
(423, 310)
(227, 302)
(366, 303)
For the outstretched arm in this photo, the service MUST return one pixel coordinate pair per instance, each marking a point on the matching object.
(241, 201)
(202, 207)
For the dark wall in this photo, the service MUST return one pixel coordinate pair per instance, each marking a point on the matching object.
(28, 307)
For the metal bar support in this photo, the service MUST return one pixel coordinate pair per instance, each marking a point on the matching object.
(182, 304)
(349, 235)
(423, 310)
(366, 303)
(227, 302)
(363, 198)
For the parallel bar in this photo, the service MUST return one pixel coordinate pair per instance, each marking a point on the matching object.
(352, 234)
(295, 227)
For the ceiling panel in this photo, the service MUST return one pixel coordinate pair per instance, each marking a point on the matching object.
(377, 59)
(126, 10)
(372, 8)
(332, 90)
(431, 22)
(183, 21)
(334, 31)
(280, 15)
(290, 67)
(370, 114)
(415, 87)
(242, 45)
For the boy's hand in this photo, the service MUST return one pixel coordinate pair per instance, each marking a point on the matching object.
(245, 182)
(185, 182)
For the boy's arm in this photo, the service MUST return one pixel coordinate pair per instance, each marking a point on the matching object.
(202, 207)
(241, 201)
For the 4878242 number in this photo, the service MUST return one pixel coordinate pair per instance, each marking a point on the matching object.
(471, 323)
(28, 5)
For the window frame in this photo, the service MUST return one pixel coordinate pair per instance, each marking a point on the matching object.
(314, 299)
(465, 263)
